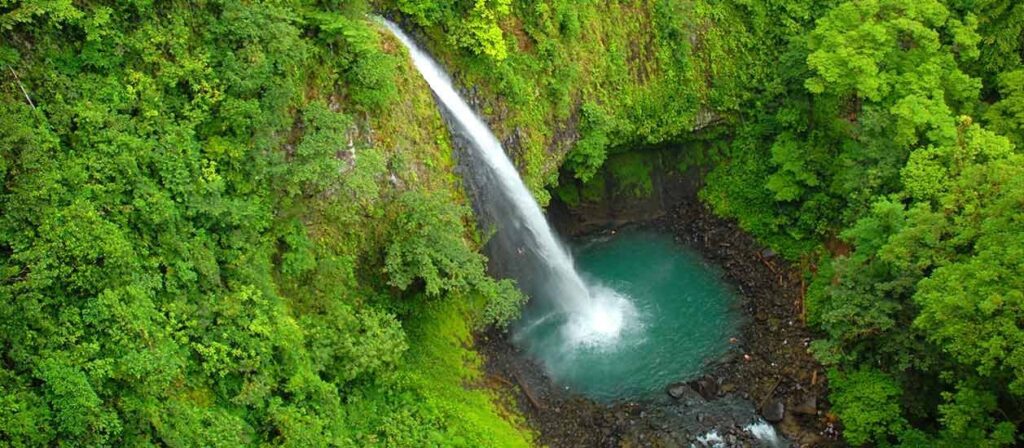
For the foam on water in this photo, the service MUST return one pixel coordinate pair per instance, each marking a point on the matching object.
(603, 322)
(711, 439)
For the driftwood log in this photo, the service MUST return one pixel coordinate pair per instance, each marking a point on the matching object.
(526, 390)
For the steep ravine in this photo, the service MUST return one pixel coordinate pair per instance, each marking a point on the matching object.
(768, 372)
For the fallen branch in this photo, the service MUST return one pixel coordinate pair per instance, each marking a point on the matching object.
(803, 301)
(501, 380)
(526, 390)
(768, 264)
(767, 396)
(23, 91)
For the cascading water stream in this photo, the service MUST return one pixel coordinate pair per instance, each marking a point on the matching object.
(595, 314)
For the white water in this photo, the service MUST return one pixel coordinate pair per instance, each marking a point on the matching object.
(760, 429)
(596, 315)
(711, 439)
(764, 432)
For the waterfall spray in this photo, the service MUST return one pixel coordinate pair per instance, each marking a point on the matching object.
(595, 314)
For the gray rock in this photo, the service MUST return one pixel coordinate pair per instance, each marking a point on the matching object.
(677, 391)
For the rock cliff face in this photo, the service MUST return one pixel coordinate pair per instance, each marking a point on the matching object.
(614, 204)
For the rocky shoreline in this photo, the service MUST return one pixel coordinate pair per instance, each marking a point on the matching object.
(767, 375)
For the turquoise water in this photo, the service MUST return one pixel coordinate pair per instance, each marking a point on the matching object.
(680, 317)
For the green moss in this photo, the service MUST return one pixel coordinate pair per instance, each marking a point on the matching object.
(594, 189)
(632, 172)
(568, 193)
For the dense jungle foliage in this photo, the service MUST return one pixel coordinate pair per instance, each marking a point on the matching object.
(887, 159)
(213, 235)
(228, 223)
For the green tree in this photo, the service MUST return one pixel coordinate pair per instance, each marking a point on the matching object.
(944, 268)
(868, 402)
(1006, 116)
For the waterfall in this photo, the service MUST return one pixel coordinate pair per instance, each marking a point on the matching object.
(545, 268)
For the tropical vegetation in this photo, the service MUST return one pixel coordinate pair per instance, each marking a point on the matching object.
(229, 223)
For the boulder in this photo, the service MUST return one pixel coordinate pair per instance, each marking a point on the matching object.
(684, 394)
(707, 387)
(808, 407)
(774, 410)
